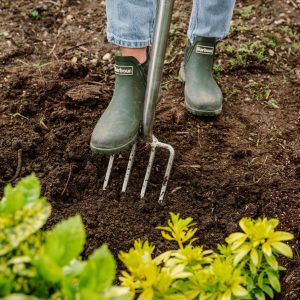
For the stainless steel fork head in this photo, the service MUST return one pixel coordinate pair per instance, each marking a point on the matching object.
(155, 143)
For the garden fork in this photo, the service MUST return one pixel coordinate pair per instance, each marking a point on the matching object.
(162, 26)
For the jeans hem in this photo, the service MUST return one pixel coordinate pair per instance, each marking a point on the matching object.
(128, 43)
(218, 38)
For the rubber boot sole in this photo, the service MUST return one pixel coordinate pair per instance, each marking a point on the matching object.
(116, 150)
(203, 113)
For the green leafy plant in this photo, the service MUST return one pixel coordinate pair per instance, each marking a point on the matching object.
(246, 11)
(248, 54)
(256, 249)
(272, 103)
(37, 264)
(35, 15)
(244, 268)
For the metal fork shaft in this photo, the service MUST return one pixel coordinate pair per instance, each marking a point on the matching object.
(162, 26)
(161, 32)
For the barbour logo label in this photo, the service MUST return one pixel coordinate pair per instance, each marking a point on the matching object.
(205, 50)
(123, 70)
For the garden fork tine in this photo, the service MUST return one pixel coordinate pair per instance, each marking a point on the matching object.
(128, 169)
(162, 26)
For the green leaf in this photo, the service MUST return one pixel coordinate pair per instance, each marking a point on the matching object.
(12, 235)
(27, 190)
(274, 281)
(48, 269)
(74, 268)
(283, 249)
(68, 289)
(65, 242)
(5, 286)
(22, 212)
(30, 187)
(19, 297)
(260, 280)
(250, 283)
(253, 268)
(86, 294)
(271, 260)
(267, 289)
(99, 271)
(13, 200)
(259, 295)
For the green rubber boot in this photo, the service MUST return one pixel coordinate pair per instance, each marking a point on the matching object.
(118, 127)
(203, 96)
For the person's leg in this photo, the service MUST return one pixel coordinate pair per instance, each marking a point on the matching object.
(139, 53)
(130, 22)
(209, 22)
(210, 18)
(129, 26)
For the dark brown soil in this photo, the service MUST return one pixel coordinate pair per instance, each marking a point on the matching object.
(55, 84)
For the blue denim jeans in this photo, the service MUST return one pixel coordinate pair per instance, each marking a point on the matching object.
(130, 22)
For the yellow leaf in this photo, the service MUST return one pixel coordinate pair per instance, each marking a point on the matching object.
(280, 236)
(239, 291)
(190, 294)
(147, 294)
(226, 295)
(162, 257)
(266, 248)
(254, 256)
(178, 272)
(245, 223)
(235, 237)
(238, 243)
(163, 228)
(283, 249)
(273, 222)
(255, 244)
(240, 255)
(193, 240)
(166, 236)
